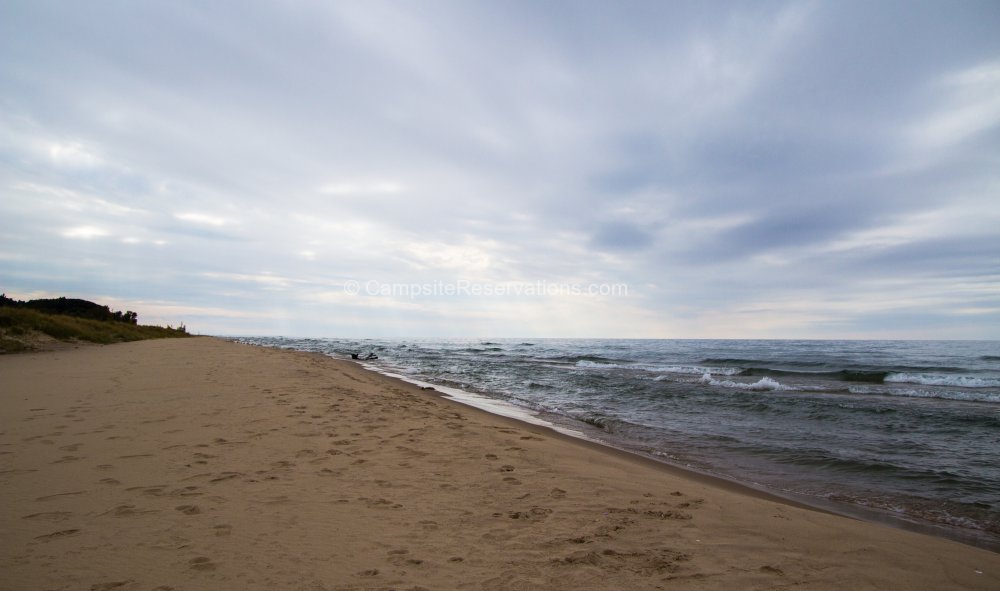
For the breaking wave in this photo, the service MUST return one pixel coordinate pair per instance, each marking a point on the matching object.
(929, 379)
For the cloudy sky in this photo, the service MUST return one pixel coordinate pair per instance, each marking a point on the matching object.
(746, 169)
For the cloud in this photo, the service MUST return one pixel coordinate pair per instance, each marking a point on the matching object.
(621, 236)
(747, 169)
(970, 106)
(203, 219)
(84, 232)
(362, 188)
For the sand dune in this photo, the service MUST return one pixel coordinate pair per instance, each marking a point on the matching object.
(203, 464)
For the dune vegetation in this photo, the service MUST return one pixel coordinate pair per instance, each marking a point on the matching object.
(25, 329)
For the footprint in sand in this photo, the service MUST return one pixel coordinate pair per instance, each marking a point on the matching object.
(375, 503)
(667, 515)
(222, 531)
(65, 494)
(58, 534)
(226, 476)
(127, 511)
(202, 563)
(533, 513)
(511, 480)
(50, 516)
(187, 491)
(110, 585)
(152, 489)
(188, 509)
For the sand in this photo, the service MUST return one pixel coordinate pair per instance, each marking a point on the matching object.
(204, 464)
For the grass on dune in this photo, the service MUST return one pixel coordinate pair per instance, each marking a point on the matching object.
(17, 325)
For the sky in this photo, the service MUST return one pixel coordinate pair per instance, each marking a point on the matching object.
(663, 169)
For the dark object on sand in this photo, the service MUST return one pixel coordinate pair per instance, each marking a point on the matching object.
(367, 357)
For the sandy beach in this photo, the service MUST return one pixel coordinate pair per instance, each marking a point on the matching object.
(204, 464)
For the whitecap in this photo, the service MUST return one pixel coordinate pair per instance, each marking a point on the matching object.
(962, 395)
(929, 379)
(595, 365)
(765, 384)
(697, 370)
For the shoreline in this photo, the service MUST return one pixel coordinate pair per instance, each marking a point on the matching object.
(849, 511)
(203, 463)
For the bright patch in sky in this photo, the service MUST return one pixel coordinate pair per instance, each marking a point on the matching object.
(202, 218)
(84, 232)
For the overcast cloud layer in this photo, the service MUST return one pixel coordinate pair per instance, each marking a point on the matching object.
(754, 169)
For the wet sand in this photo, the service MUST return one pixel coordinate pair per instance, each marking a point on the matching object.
(204, 464)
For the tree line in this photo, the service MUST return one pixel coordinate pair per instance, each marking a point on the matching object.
(72, 307)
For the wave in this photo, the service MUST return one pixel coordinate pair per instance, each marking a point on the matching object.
(825, 459)
(852, 375)
(768, 384)
(843, 375)
(601, 422)
(765, 384)
(745, 362)
(601, 363)
(586, 358)
(477, 350)
(929, 379)
(960, 395)
(697, 370)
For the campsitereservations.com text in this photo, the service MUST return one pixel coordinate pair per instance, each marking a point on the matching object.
(466, 288)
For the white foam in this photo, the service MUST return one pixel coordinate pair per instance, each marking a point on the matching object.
(961, 395)
(698, 370)
(765, 384)
(929, 379)
(490, 405)
(595, 365)
(695, 370)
